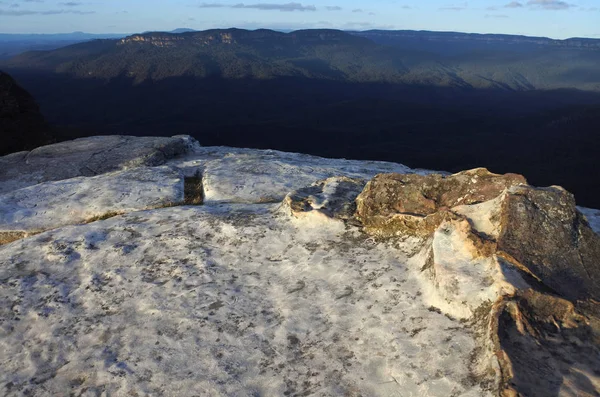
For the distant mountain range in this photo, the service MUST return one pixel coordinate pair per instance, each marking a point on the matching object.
(451, 43)
(335, 55)
(14, 44)
(446, 101)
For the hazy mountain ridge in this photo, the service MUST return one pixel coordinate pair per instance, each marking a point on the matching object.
(400, 37)
(319, 53)
(14, 44)
(230, 53)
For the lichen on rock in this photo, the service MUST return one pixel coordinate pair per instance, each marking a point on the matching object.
(395, 204)
(522, 258)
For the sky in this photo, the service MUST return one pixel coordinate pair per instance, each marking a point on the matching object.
(550, 18)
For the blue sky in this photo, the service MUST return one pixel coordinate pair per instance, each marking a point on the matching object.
(551, 18)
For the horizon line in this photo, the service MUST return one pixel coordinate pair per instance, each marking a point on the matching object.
(295, 30)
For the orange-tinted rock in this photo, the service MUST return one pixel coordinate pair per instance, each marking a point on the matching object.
(390, 201)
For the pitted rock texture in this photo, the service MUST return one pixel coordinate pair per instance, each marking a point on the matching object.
(404, 203)
(333, 197)
(543, 231)
(224, 300)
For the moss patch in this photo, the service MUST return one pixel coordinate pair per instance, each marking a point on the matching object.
(9, 237)
(102, 217)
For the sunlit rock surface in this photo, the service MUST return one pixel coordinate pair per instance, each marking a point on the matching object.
(276, 282)
(50, 205)
(86, 157)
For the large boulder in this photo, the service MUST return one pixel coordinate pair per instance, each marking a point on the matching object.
(537, 230)
(542, 230)
(21, 124)
(397, 204)
(520, 263)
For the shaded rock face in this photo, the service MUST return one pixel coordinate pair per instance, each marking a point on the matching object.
(21, 123)
(333, 197)
(546, 347)
(543, 231)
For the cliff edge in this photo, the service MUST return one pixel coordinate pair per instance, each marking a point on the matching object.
(156, 266)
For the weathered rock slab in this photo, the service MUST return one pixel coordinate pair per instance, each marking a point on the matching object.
(51, 205)
(223, 300)
(263, 176)
(86, 157)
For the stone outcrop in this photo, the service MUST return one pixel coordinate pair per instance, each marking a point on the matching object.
(481, 285)
(21, 123)
(540, 231)
(395, 204)
(522, 259)
(544, 232)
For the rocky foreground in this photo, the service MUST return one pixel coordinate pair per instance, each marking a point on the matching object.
(153, 266)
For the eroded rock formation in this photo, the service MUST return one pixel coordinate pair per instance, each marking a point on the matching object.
(87, 157)
(396, 204)
(524, 255)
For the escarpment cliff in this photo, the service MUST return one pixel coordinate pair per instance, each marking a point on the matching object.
(21, 123)
(158, 266)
